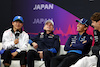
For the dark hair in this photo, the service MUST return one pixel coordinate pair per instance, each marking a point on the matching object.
(95, 16)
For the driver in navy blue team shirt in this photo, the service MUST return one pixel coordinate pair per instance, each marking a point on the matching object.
(46, 44)
(76, 46)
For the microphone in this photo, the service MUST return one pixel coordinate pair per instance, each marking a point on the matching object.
(17, 34)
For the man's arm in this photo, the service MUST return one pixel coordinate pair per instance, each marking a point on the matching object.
(68, 45)
(24, 43)
(80, 45)
(77, 46)
(6, 41)
(34, 41)
(56, 46)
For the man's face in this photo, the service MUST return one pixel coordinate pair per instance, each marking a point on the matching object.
(17, 24)
(48, 26)
(95, 24)
(81, 27)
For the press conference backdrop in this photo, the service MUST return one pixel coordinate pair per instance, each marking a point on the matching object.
(36, 12)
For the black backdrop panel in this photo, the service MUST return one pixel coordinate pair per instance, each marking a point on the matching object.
(5, 15)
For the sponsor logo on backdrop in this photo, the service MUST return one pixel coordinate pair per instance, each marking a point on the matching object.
(43, 6)
(40, 20)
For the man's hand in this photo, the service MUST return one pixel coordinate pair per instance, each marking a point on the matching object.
(70, 45)
(40, 54)
(14, 54)
(16, 41)
(35, 45)
(84, 41)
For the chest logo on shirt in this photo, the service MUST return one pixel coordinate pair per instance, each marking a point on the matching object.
(74, 40)
(96, 38)
(42, 35)
(50, 36)
(95, 33)
(83, 39)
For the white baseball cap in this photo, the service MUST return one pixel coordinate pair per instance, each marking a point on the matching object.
(50, 22)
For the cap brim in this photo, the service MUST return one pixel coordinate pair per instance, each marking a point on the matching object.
(79, 21)
(19, 20)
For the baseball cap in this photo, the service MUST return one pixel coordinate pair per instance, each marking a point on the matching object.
(18, 18)
(50, 22)
(83, 21)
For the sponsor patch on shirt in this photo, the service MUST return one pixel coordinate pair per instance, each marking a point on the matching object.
(42, 35)
(51, 36)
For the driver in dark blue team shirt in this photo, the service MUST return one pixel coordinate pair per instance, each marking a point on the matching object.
(46, 43)
(76, 45)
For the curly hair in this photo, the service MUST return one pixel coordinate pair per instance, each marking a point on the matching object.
(95, 16)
